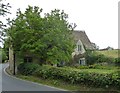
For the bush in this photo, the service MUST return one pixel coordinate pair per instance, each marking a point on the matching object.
(101, 66)
(90, 58)
(27, 68)
(117, 61)
(82, 67)
(3, 55)
(93, 57)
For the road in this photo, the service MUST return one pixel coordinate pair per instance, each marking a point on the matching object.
(10, 83)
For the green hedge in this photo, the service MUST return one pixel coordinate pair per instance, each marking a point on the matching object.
(27, 68)
(72, 76)
(117, 61)
(3, 55)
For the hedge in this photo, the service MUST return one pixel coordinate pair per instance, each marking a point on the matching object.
(27, 68)
(72, 76)
(3, 55)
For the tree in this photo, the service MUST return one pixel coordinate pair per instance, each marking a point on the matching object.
(48, 38)
(4, 10)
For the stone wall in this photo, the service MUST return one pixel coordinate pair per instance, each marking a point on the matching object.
(11, 59)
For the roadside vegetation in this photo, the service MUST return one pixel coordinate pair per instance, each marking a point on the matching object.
(64, 85)
(48, 39)
(96, 78)
(100, 75)
(3, 55)
(107, 57)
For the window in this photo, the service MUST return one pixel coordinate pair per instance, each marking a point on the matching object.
(79, 47)
(82, 62)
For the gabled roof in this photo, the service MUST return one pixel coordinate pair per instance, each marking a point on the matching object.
(81, 35)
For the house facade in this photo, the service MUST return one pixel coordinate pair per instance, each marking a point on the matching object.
(82, 44)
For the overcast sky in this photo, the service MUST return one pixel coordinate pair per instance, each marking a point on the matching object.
(99, 18)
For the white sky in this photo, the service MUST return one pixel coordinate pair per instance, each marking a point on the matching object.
(99, 18)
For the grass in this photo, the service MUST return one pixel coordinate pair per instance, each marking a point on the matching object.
(109, 53)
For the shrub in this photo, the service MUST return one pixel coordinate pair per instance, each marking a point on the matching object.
(117, 61)
(82, 67)
(3, 55)
(27, 68)
(93, 57)
(101, 66)
(90, 57)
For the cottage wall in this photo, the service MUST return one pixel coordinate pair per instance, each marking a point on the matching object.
(76, 51)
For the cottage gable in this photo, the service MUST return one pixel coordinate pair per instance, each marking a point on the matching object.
(79, 47)
(81, 35)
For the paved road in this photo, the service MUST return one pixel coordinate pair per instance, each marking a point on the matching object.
(13, 84)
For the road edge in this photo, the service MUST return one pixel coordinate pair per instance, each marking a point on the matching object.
(4, 70)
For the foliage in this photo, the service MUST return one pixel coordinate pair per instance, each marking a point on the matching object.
(27, 68)
(48, 37)
(3, 55)
(96, 66)
(79, 77)
(117, 61)
(90, 57)
(6, 47)
(81, 67)
(4, 10)
(93, 57)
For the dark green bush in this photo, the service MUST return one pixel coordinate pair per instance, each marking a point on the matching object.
(92, 58)
(27, 68)
(101, 66)
(117, 61)
(82, 67)
(3, 55)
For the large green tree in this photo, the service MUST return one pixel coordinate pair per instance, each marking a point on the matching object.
(48, 38)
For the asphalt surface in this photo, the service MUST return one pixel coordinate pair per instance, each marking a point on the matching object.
(10, 83)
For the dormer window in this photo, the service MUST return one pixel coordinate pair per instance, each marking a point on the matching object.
(79, 48)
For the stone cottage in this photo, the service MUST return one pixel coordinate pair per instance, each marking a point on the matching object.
(82, 44)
